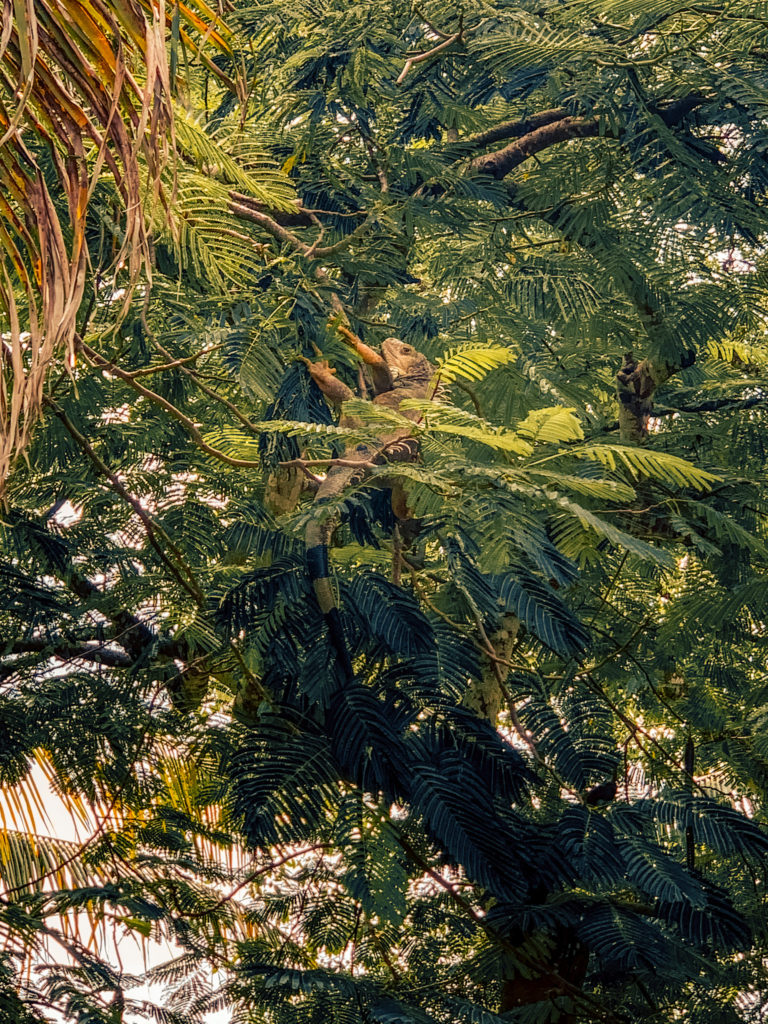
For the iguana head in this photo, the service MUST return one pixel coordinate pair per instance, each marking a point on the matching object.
(404, 361)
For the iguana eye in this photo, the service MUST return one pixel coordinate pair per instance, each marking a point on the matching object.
(406, 350)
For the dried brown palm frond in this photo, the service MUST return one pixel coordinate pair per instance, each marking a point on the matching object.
(88, 83)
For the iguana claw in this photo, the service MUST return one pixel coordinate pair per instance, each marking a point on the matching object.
(324, 376)
(319, 366)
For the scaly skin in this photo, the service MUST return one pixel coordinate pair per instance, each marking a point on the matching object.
(400, 372)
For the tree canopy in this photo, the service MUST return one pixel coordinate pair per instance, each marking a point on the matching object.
(540, 796)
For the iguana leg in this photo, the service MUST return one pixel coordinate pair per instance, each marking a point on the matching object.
(283, 490)
(400, 502)
(322, 374)
(382, 376)
(367, 354)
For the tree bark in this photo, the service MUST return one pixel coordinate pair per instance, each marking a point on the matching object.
(551, 127)
(500, 163)
(636, 384)
(514, 129)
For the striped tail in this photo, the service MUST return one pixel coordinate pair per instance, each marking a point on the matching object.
(317, 537)
(399, 447)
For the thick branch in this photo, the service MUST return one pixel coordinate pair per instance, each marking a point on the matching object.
(713, 405)
(500, 163)
(694, 408)
(86, 651)
(514, 129)
(133, 635)
(555, 129)
(267, 222)
(674, 112)
(636, 383)
(282, 234)
(300, 218)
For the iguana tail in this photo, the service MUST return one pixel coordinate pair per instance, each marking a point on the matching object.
(318, 536)
(399, 448)
(318, 540)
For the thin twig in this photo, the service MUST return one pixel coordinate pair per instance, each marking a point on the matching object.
(421, 57)
(469, 390)
(636, 729)
(153, 530)
(196, 377)
(288, 238)
(146, 370)
(177, 414)
(304, 463)
(255, 874)
(432, 28)
(370, 463)
(397, 555)
(320, 235)
(611, 585)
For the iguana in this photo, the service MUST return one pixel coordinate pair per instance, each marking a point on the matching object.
(400, 372)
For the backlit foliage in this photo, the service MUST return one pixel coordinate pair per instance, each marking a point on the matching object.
(542, 797)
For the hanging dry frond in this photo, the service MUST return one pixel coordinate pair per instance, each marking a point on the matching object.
(88, 84)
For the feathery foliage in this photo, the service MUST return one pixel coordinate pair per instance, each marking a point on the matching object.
(541, 795)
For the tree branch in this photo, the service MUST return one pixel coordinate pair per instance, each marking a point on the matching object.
(86, 651)
(171, 409)
(264, 220)
(513, 129)
(145, 371)
(134, 635)
(553, 129)
(193, 374)
(636, 384)
(282, 234)
(501, 162)
(299, 219)
(184, 576)
(431, 26)
(712, 405)
(255, 874)
(421, 57)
